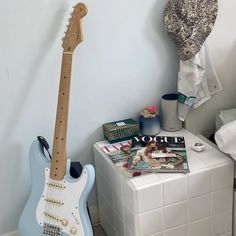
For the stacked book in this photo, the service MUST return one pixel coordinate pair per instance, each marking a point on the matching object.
(145, 154)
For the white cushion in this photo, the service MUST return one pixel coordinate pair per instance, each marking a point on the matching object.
(226, 138)
(224, 117)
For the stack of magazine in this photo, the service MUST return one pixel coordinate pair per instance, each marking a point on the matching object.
(145, 154)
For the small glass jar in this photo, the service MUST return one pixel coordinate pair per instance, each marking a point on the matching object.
(149, 125)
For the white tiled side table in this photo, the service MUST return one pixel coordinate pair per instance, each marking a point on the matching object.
(196, 204)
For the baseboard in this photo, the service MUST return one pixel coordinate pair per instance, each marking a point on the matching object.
(15, 233)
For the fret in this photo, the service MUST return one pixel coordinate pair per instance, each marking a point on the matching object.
(58, 166)
(73, 36)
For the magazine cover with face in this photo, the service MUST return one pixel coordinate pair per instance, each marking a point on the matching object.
(159, 154)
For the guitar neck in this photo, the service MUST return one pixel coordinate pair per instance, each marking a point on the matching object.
(59, 156)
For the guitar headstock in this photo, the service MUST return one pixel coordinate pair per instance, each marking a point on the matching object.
(73, 34)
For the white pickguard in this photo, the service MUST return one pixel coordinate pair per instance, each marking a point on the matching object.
(60, 199)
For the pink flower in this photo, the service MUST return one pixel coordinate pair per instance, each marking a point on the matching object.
(152, 109)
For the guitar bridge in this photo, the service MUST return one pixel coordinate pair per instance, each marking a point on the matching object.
(52, 230)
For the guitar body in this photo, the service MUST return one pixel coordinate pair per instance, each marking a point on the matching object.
(66, 213)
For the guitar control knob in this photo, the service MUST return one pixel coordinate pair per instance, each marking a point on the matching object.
(73, 230)
(64, 222)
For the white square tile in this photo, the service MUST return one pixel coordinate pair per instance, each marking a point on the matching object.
(199, 183)
(200, 228)
(109, 228)
(127, 232)
(118, 206)
(175, 190)
(104, 186)
(144, 180)
(129, 195)
(178, 231)
(134, 207)
(195, 163)
(151, 222)
(118, 234)
(221, 223)
(222, 177)
(115, 182)
(199, 207)
(222, 200)
(175, 215)
(119, 225)
(102, 163)
(130, 220)
(149, 198)
(106, 208)
(169, 176)
(211, 156)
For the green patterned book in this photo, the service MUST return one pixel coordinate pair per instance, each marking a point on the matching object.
(121, 130)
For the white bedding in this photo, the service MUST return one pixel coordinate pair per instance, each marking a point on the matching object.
(224, 117)
(225, 138)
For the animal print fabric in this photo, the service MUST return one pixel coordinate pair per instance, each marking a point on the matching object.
(188, 24)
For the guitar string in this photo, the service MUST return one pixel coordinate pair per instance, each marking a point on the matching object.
(48, 204)
(51, 192)
(45, 197)
(54, 195)
(55, 192)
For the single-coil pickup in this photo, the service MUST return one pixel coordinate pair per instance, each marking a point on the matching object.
(52, 217)
(64, 222)
(54, 201)
(56, 185)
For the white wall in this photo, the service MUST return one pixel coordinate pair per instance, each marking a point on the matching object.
(222, 45)
(125, 63)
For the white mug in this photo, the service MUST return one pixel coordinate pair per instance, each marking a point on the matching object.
(169, 110)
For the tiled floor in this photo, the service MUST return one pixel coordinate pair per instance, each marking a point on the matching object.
(98, 231)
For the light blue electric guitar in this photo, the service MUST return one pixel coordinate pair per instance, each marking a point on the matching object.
(57, 202)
